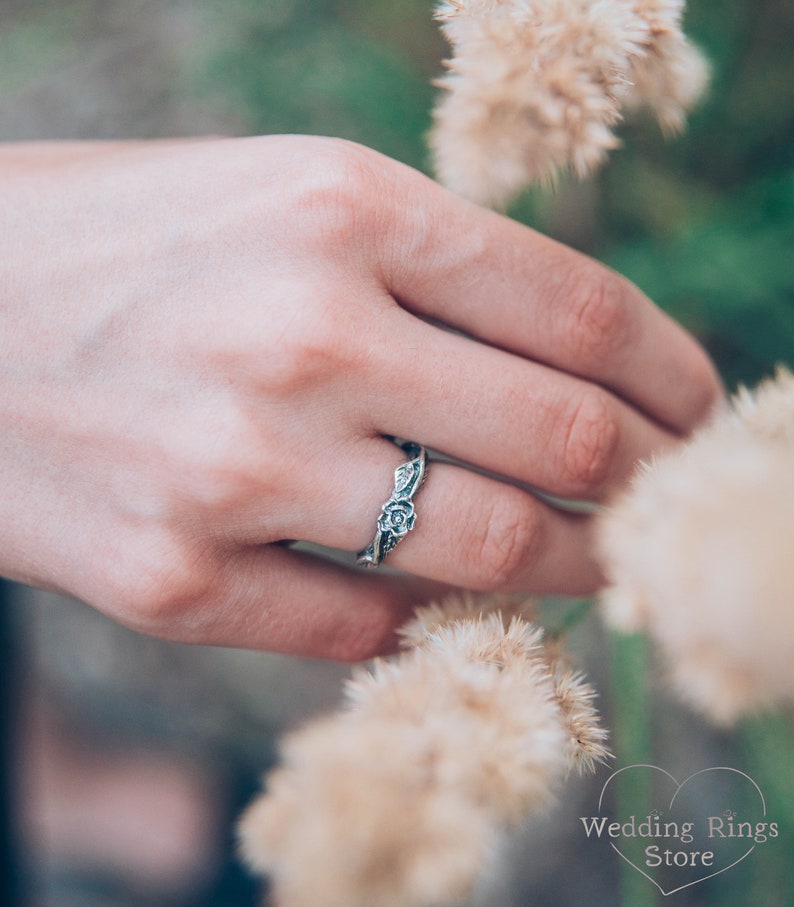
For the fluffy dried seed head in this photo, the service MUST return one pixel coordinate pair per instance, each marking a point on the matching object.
(534, 87)
(698, 553)
(356, 818)
(462, 606)
(402, 799)
(586, 736)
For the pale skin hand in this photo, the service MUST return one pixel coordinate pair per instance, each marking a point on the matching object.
(204, 345)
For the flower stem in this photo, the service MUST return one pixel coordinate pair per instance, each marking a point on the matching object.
(631, 734)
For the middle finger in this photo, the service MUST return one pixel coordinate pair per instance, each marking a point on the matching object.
(507, 415)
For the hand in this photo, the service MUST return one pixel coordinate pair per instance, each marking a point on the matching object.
(204, 344)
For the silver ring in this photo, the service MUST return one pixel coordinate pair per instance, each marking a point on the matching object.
(397, 516)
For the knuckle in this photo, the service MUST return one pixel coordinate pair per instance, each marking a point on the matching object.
(318, 348)
(590, 442)
(508, 542)
(297, 365)
(312, 356)
(599, 321)
(335, 197)
(218, 461)
(156, 592)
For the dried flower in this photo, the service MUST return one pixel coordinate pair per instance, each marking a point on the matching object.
(698, 553)
(403, 798)
(586, 738)
(671, 75)
(537, 86)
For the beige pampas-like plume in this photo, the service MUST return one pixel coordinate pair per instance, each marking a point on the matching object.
(699, 554)
(537, 86)
(402, 799)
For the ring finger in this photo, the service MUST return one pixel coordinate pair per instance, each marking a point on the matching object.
(471, 530)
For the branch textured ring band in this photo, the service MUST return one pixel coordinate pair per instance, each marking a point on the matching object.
(397, 516)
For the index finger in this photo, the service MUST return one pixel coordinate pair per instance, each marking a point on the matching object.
(513, 288)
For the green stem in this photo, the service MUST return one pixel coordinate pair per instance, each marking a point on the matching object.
(560, 619)
(631, 730)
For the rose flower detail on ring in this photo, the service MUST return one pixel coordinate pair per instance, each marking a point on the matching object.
(397, 517)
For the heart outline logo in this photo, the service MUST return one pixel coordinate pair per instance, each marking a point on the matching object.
(679, 788)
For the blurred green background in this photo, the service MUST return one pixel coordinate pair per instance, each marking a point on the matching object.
(704, 224)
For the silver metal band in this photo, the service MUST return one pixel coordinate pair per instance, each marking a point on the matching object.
(397, 516)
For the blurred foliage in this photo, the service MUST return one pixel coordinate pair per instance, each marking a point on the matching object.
(349, 69)
(23, 47)
(706, 224)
